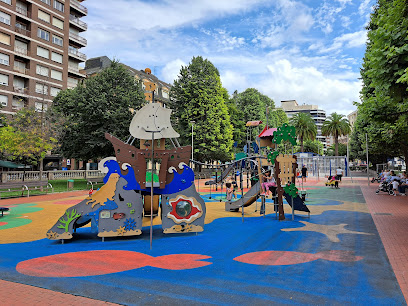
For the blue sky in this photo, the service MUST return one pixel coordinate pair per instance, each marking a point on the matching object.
(306, 50)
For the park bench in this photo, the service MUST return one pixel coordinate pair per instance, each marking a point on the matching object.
(3, 209)
(94, 181)
(25, 186)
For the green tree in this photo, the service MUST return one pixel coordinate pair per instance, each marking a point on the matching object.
(253, 104)
(383, 112)
(101, 104)
(335, 125)
(277, 117)
(331, 151)
(198, 96)
(313, 146)
(236, 118)
(305, 127)
(27, 137)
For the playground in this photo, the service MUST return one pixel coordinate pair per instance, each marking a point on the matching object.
(154, 233)
(335, 256)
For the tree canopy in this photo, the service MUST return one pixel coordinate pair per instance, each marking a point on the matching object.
(253, 105)
(197, 95)
(305, 127)
(27, 137)
(335, 125)
(101, 104)
(383, 113)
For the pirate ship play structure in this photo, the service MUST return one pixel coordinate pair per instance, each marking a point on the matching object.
(138, 180)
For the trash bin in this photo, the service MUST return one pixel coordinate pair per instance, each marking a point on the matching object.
(70, 185)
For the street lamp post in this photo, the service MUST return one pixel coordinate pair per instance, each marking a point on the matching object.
(192, 139)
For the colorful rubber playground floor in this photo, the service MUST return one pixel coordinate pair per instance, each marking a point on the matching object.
(335, 257)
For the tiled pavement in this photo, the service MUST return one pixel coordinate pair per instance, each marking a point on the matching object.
(389, 213)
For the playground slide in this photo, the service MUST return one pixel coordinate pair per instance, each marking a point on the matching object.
(297, 203)
(223, 175)
(246, 200)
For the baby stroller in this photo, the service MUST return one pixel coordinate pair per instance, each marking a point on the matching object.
(385, 187)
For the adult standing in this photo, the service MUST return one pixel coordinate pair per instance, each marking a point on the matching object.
(339, 173)
(304, 173)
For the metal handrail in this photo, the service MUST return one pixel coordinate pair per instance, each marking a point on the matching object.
(79, 6)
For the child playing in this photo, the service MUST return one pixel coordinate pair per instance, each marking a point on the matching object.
(269, 181)
(395, 185)
(230, 191)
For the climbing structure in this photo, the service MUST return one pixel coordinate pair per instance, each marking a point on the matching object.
(117, 208)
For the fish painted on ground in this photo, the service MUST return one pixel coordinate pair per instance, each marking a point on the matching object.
(283, 258)
(101, 262)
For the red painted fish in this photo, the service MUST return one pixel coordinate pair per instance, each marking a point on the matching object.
(102, 262)
(283, 258)
(118, 216)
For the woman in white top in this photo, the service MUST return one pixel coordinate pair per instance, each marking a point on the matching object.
(339, 173)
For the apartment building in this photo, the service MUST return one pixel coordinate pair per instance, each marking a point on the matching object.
(39, 51)
(291, 107)
(95, 65)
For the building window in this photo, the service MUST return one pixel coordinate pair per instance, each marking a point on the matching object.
(43, 52)
(58, 6)
(5, 18)
(58, 23)
(5, 39)
(3, 100)
(54, 91)
(46, 1)
(41, 107)
(41, 89)
(41, 70)
(57, 75)
(165, 94)
(17, 104)
(4, 79)
(57, 40)
(56, 57)
(4, 59)
(43, 34)
(44, 16)
(6, 1)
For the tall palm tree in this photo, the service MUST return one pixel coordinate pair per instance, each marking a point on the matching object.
(305, 127)
(335, 125)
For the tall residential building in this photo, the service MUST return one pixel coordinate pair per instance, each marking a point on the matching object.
(39, 51)
(291, 107)
(95, 65)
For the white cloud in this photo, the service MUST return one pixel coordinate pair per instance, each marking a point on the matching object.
(363, 9)
(349, 40)
(233, 80)
(311, 86)
(171, 70)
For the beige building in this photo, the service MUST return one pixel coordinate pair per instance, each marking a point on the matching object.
(39, 51)
(95, 65)
(291, 107)
(352, 117)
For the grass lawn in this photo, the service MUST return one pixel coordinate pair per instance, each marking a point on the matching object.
(58, 185)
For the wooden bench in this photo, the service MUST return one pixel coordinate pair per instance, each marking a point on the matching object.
(95, 181)
(25, 186)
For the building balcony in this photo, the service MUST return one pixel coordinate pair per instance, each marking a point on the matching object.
(71, 85)
(23, 12)
(21, 70)
(21, 51)
(76, 5)
(78, 39)
(78, 22)
(22, 31)
(20, 90)
(75, 70)
(75, 53)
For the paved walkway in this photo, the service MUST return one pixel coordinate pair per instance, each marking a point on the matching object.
(389, 213)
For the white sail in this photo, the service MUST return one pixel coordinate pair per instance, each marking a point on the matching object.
(152, 118)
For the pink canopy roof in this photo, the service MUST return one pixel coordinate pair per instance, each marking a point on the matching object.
(267, 132)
